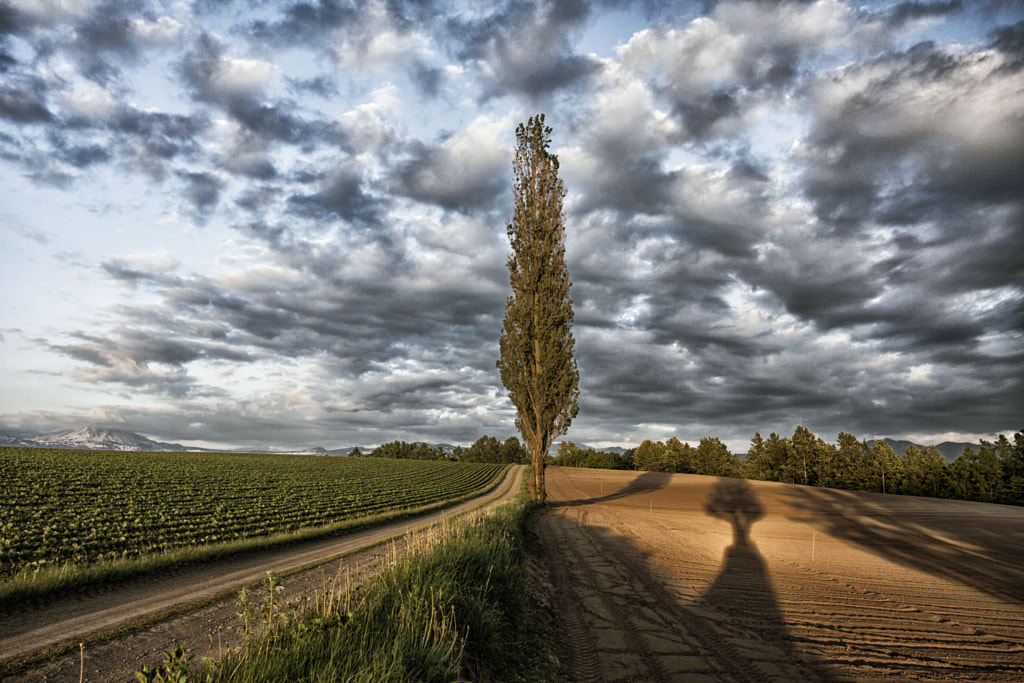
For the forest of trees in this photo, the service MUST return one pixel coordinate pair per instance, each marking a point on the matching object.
(484, 449)
(994, 472)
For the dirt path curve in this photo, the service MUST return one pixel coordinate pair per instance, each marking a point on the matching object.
(105, 610)
(662, 577)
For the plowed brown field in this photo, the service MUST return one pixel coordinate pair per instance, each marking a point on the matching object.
(674, 577)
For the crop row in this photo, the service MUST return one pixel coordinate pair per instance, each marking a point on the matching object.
(61, 506)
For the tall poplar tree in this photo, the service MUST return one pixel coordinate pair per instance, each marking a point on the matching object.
(537, 365)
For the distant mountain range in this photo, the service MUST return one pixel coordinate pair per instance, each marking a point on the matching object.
(104, 439)
(618, 450)
(950, 450)
(89, 438)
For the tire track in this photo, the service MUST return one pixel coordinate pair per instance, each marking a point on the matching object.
(580, 644)
(620, 616)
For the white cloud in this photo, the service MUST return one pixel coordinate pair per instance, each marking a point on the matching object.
(233, 77)
(623, 116)
(376, 41)
(154, 265)
(976, 102)
(163, 31)
(53, 10)
(807, 26)
(739, 50)
(475, 153)
(364, 262)
(693, 59)
(89, 100)
(368, 123)
(711, 193)
(241, 151)
(260, 278)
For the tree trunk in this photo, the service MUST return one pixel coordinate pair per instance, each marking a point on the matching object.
(537, 460)
(540, 492)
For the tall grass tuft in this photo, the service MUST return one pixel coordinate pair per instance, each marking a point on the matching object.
(458, 607)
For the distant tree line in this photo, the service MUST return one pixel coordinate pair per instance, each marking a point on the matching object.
(994, 472)
(569, 454)
(489, 449)
(484, 449)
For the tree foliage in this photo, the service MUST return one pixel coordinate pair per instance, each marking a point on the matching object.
(486, 449)
(409, 451)
(536, 364)
(992, 473)
(489, 449)
(569, 454)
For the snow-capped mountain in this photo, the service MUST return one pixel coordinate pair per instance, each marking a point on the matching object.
(104, 439)
(16, 438)
(89, 438)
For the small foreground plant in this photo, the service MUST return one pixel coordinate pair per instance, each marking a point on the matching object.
(174, 669)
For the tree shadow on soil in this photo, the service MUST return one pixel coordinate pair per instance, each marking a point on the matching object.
(645, 483)
(743, 590)
(736, 627)
(977, 545)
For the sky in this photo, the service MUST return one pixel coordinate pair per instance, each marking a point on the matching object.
(282, 224)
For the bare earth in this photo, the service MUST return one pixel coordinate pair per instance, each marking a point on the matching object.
(672, 577)
(209, 630)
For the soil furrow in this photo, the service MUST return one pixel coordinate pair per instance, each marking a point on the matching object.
(921, 634)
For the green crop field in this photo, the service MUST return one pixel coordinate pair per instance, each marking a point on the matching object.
(59, 506)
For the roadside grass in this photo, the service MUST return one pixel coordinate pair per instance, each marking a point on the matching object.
(30, 587)
(461, 605)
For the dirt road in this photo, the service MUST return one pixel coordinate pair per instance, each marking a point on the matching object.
(210, 629)
(662, 577)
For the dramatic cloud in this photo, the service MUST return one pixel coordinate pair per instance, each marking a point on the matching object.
(717, 68)
(468, 169)
(525, 48)
(283, 225)
(917, 134)
(216, 77)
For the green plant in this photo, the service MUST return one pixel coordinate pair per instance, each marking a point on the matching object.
(273, 598)
(176, 668)
(247, 615)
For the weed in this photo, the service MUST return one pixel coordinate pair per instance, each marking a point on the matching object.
(174, 669)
